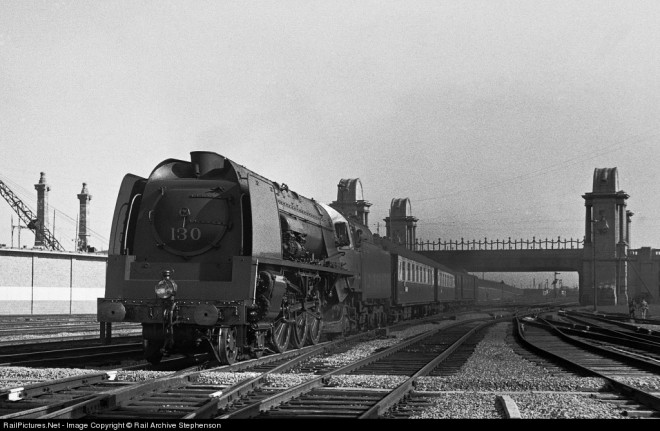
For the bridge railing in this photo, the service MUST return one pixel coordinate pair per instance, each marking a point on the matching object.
(486, 244)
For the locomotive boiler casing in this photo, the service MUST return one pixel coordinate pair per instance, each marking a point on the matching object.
(308, 223)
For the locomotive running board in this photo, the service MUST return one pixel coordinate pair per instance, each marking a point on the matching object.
(300, 265)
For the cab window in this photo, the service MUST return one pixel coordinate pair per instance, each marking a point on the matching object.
(341, 235)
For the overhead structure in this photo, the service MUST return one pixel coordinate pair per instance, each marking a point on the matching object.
(401, 226)
(29, 218)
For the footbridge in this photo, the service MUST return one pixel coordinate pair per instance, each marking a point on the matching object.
(609, 272)
(534, 255)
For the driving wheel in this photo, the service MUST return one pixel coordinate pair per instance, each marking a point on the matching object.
(314, 328)
(227, 350)
(299, 329)
(279, 335)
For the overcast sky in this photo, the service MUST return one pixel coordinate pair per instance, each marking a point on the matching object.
(491, 116)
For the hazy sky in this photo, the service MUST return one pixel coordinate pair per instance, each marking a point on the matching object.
(491, 116)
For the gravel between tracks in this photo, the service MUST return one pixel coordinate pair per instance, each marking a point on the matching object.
(493, 369)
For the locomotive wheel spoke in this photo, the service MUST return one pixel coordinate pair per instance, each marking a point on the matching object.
(227, 350)
(314, 328)
(279, 336)
(299, 330)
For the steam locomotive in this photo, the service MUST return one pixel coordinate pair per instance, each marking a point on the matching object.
(208, 255)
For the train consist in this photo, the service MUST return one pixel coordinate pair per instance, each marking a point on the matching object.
(207, 254)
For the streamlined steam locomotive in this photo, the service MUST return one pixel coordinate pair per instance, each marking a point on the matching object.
(208, 255)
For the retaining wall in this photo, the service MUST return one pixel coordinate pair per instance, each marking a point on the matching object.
(45, 282)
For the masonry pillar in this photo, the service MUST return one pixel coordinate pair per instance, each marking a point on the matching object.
(42, 211)
(84, 197)
(401, 226)
(350, 200)
(606, 242)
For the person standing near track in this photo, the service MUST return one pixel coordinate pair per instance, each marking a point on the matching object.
(631, 308)
(644, 306)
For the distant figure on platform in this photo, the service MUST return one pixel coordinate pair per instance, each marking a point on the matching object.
(631, 308)
(644, 308)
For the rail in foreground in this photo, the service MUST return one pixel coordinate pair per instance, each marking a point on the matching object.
(176, 395)
(411, 358)
(71, 355)
(619, 369)
(604, 336)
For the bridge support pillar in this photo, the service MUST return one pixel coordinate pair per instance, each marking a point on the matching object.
(607, 225)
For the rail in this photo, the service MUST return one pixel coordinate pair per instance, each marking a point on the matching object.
(486, 244)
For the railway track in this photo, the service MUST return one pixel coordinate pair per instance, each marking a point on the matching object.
(633, 327)
(22, 330)
(625, 372)
(175, 395)
(72, 357)
(186, 394)
(179, 395)
(42, 329)
(611, 337)
(317, 398)
(125, 354)
(38, 346)
(72, 352)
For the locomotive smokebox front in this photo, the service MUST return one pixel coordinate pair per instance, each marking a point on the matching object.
(188, 222)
